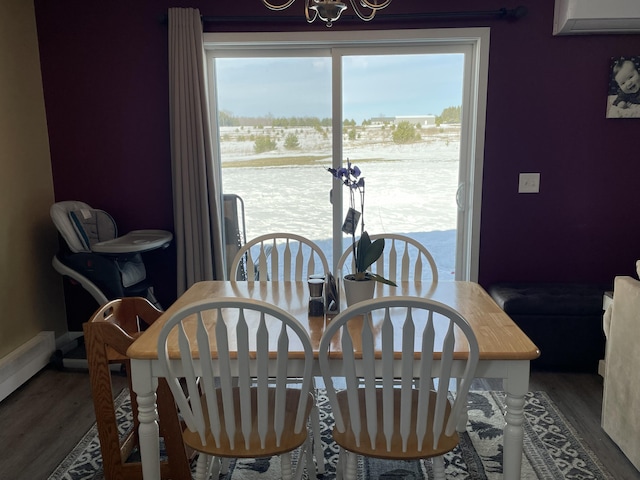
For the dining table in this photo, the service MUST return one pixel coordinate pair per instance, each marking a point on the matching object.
(505, 350)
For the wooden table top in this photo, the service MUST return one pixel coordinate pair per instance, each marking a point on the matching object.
(499, 338)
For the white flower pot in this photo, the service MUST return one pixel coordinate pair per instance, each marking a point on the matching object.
(358, 290)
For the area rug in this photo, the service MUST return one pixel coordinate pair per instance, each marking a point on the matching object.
(552, 448)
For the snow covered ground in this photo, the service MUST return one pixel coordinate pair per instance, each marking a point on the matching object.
(410, 188)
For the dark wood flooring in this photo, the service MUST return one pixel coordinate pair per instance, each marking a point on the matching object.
(43, 420)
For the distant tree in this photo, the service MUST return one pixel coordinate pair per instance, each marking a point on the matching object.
(405, 132)
(351, 135)
(226, 119)
(450, 115)
(264, 143)
(291, 141)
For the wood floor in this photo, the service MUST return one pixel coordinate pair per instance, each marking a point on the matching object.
(43, 420)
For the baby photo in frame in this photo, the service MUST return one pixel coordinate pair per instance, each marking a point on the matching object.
(623, 100)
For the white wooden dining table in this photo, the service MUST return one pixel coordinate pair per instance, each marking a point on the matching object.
(505, 351)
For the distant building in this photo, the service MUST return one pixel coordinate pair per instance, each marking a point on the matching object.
(423, 120)
(382, 120)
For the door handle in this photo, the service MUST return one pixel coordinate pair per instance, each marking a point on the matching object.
(460, 200)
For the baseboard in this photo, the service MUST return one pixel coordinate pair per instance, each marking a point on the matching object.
(24, 362)
(67, 341)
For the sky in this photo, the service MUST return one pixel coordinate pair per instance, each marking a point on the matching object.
(373, 85)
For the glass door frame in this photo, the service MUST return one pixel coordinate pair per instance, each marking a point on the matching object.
(473, 42)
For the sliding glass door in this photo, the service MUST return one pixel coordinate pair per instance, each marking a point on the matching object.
(406, 112)
(275, 141)
(402, 127)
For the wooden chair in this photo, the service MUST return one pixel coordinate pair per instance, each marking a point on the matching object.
(384, 341)
(278, 256)
(405, 258)
(108, 335)
(240, 403)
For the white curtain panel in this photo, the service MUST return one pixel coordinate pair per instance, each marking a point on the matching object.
(196, 186)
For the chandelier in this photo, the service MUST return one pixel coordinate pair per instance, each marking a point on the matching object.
(330, 10)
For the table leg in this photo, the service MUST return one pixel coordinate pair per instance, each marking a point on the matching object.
(516, 386)
(464, 413)
(145, 385)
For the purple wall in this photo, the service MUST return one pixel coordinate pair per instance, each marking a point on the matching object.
(104, 68)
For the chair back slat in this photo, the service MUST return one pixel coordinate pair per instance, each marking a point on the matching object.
(403, 258)
(299, 263)
(443, 386)
(311, 264)
(417, 267)
(368, 356)
(393, 260)
(425, 369)
(190, 375)
(279, 256)
(262, 355)
(349, 367)
(242, 348)
(281, 382)
(401, 335)
(405, 261)
(286, 257)
(408, 350)
(225, 377)
(251, 268)
(274, 260)
(388, 375)
(207, 383)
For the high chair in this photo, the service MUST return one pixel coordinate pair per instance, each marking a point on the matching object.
(108, 334)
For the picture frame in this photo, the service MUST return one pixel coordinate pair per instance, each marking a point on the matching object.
(623, 98)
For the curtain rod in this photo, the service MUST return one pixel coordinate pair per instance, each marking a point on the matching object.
(500, 14)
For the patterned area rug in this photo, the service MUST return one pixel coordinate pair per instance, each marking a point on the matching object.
(552, 449)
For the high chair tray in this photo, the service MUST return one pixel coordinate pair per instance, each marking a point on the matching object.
(135, 241)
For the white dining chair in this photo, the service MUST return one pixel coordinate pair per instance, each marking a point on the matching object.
(231, 382)
(379, 410)
(403, 259)
(278, 256)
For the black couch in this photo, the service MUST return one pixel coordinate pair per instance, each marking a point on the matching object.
(563, 320)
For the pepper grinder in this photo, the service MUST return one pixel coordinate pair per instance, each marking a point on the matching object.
(316, 298)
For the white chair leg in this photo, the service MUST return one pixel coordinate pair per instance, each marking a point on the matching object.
(340, 465)
(309, 454)
(438, 468)
(317, 440)
(461, 424)
(285, 466)
(201, 466)
(305, 460)
(224, 465)
(214, 467)
(350, 466)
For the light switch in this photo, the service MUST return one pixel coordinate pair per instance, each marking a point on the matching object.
(529, 183)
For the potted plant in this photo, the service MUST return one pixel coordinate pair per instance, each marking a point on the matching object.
(365, 252)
